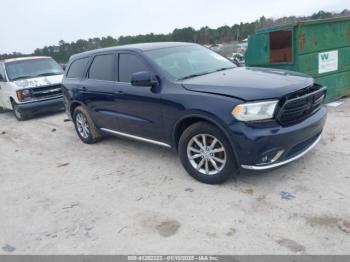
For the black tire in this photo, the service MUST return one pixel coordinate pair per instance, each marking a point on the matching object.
(225, 170)
(18, 114)
(93, 135)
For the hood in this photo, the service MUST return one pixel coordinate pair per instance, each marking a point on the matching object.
(39, 81)
(248, 83)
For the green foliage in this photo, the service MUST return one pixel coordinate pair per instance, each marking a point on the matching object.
(204, 35)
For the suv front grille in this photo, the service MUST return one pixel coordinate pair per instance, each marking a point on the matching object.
(46, 92)
(300, 105)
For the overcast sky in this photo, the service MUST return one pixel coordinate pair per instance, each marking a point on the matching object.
(28, 24)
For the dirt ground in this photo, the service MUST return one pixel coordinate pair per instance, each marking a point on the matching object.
(60, 196)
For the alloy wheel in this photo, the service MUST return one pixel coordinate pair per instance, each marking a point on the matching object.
(82, 125)
(206, 154)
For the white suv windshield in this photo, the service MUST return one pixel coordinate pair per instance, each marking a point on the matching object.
(189, 61)
(32, 68)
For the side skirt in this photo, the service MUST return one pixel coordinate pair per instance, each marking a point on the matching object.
(135, 137)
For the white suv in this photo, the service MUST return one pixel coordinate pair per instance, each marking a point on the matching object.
(30, 85)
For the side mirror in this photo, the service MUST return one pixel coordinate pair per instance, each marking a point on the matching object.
(2, 79)
(144, 79)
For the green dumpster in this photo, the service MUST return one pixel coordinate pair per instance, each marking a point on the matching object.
(320, 48)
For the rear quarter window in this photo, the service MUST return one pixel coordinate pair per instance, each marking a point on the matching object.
(77, 67)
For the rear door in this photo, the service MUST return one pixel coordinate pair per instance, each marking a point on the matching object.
(99, 88)
(140, 108)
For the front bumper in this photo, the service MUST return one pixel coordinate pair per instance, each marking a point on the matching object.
(41, 106)
(261, 147)
(281, 163)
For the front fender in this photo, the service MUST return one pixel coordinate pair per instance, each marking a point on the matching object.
(205, 116)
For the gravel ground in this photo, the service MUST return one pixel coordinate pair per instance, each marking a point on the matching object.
(60, 196)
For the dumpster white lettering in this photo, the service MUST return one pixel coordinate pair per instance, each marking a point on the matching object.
(327, 62)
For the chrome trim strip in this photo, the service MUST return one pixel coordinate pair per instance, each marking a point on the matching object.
(136, 137)
(40, 100)
(277, 156)
(283, 162)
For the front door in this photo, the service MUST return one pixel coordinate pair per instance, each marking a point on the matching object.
(140, 108)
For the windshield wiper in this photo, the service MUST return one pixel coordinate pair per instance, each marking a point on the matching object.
(206, 73)
(224, 68)
(44, 74)
(21, 77)
(50, 74)
(194, 75)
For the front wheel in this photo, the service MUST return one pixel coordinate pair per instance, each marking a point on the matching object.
(18, 114)
(206, 153)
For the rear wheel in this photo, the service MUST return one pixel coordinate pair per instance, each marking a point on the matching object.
(85, 127)
(206, 153)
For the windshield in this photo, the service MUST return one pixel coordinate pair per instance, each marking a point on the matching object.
(32, 68)
(189, 61)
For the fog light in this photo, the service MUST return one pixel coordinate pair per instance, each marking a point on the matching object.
(264, 159)
(270, 157)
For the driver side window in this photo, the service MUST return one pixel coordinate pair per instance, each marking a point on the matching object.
(129, 64)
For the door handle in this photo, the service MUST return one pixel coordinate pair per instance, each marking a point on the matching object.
(120, 93)
(83, 88)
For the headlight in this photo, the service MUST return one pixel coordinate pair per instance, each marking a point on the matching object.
(24, 94)
(255, 111)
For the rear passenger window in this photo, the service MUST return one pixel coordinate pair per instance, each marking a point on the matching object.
(102, 68)
(76, 69)
(129, 64)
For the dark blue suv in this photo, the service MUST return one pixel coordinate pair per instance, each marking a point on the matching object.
(219, 117)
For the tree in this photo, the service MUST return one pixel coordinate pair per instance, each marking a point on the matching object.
(204, 35)
(187, 34)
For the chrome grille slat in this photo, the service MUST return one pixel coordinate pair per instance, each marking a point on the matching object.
(46, 91)
(300, 105)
